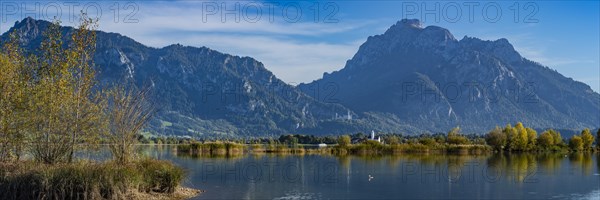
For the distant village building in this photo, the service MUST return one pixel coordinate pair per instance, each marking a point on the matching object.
(373, 137)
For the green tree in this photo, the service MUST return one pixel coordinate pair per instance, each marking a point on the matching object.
(558, 140)
(440, 139)
(13, 99)
(576, 143)
(50, 100)
(127, 111)
(496, 138)
(84, 112)
(522, 140)
(531, 138)
(344, 141)
(546, 140)
(587, 139)
(512, 136)
(294, 142)
(63, 110)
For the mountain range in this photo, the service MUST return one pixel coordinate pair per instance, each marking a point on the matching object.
(411, 79)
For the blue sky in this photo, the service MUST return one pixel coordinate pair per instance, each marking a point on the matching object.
(563, 35)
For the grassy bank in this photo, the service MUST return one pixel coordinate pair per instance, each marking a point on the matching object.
(89, 180)
(287, 149)
(365, 148)
(375, 148)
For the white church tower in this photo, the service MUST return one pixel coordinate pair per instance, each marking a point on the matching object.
(373, 137)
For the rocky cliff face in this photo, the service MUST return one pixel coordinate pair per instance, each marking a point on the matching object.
(431, 80)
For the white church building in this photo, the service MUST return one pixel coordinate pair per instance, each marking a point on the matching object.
(373, 137)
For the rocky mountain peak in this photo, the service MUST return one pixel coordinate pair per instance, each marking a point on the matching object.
(414, 23)
(27, 22)
(411, 31)
(29, 29)
(405, 35)
(511, 88)
(435, 35)
(403, 26)
(500, 48)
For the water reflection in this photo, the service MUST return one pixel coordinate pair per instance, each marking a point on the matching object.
(410, 176)
(519, 168)
(583, 162)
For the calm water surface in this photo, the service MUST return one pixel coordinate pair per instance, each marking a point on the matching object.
(500, 176)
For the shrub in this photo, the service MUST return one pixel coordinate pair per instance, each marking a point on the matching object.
(344, 141)
(370, 147)
(496, 139)
(454, 137)
(427, 141)
(159, 176)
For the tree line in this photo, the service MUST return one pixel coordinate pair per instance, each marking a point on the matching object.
(517, 138)
(521, 138)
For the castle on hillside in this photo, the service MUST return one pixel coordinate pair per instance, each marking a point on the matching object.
(346, 117)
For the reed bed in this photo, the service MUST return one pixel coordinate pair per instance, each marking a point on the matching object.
(87, 179)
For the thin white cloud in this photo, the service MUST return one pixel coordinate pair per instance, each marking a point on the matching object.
(189, 17)
(292, 61)
(276, 44)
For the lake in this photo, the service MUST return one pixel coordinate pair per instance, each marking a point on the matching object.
(496, 176)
